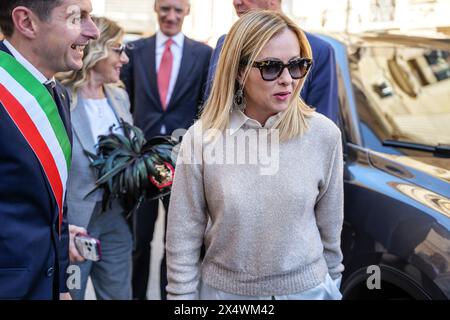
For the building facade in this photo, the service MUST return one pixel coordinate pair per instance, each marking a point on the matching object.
(211, 18)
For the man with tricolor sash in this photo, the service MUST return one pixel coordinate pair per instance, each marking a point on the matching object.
(42, 37)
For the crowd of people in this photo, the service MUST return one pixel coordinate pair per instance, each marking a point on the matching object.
(233, 231)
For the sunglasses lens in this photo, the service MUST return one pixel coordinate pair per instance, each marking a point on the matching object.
(298, 69)
(271, 71)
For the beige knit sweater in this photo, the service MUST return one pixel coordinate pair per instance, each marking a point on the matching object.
(264, 234)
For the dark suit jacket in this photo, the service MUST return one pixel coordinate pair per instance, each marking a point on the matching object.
(140, 79)
(321, 87)
(33, 257)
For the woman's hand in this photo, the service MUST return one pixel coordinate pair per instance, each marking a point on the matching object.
(74, 255)
(65, 296)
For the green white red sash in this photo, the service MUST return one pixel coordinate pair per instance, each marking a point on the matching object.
(32, 109)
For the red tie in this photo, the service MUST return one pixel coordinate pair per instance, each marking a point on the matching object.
(165, 69)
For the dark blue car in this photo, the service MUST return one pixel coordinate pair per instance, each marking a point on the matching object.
(395, 120)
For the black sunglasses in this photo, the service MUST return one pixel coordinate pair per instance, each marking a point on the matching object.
(272, 69)
(120, 49)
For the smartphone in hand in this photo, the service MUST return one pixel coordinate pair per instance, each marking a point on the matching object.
(88, 247)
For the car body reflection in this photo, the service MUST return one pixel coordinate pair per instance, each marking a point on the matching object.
(395, 118)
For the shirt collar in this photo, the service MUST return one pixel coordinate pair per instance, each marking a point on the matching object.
(32, 69)
(161, 39)
(238, 119)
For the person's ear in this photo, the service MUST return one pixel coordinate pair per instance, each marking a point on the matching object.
(24, 22)
(188, 11)
(240, 76)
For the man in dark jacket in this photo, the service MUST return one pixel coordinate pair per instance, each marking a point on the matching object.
(42, 37)
(165, 80)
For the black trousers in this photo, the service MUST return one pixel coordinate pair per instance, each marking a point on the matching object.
(144, 227)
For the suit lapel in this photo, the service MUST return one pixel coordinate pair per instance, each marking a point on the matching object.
(4, 48)
(147, 59)
(62, 102)
(187, 63)
(116, 102)
(81, 126)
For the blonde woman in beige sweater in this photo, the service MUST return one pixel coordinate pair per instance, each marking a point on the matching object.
(258, 180)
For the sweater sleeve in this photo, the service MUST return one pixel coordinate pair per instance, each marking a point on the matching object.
(330, 213)
(186, 225)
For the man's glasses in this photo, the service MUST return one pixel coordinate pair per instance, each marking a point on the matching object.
(120, 49)
(272, 69)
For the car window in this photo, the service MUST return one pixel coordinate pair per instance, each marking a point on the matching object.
(403, 92)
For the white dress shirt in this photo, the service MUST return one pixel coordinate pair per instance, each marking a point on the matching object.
(101, 117)
(32, 69)
(177, 51)
(239, 119)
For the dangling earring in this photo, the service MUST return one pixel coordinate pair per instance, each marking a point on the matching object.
(239, 99)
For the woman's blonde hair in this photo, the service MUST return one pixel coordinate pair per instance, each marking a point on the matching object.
(243, 44)
(95, 51)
